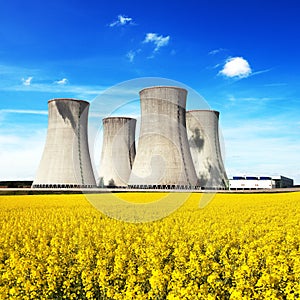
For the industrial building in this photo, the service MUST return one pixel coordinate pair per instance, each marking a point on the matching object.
(163, 158)
(203, 135)
(259, 182)
(118, 151)
(66, 159)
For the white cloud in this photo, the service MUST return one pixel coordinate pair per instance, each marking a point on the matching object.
(27, 81)
(131, 55)
(158, 40)
(216, 51)
(258, 100)
(121, 21)
(24, 111)
(236, 67)
(62, 81)
(75, 91)
(261, 72)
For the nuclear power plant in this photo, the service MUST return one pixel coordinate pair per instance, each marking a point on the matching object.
(163, 157)
(176, 149)
(66, 161)
(203, 135)
(118, 151)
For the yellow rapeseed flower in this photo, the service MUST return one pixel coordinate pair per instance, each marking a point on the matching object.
(240, 246)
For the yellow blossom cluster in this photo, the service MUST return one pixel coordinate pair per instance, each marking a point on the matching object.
(239, 246)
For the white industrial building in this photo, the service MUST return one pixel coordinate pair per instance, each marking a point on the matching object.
(259, 182)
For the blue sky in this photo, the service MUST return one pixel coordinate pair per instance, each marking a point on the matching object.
(242, 57)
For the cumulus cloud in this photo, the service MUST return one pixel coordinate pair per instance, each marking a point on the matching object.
(158, 40)
(62, 81)
(236, 67)
(121, 21)
(27, 81)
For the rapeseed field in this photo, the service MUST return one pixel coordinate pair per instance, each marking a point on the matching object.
(238, 246)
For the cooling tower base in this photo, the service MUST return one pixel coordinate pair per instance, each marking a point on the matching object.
(164, 187)
(67, 186)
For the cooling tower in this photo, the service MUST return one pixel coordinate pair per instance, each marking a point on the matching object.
(163, 158)
(66, 159)
(118, 151)
(203, 134)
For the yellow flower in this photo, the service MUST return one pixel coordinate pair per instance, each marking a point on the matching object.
(241, 246)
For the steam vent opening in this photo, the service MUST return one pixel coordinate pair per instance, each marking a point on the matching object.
(66, 162)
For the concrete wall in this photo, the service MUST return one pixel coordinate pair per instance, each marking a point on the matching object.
(163, 155)
(203, 135)
(118, 151)
(66, 158)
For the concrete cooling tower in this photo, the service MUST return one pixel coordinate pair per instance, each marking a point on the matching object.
(203, 134)
(66, 159)
(163, 158)
(118, 151)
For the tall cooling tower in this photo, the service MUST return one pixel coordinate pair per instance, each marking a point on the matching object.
(118, 151)
(163, 158)
(203, 134)
(66, 159)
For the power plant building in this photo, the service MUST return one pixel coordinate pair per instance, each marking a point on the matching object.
(163, 158)
(259, 182)
(118, 151)
(66, 159)
(203, 136)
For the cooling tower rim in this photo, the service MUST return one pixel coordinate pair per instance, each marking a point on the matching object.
(118, 117)
(203, 110)
(68, 99)
(163, 86)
